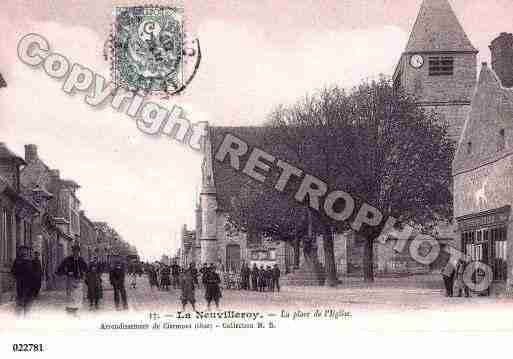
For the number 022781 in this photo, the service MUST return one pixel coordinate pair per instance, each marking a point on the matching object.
(27, 347)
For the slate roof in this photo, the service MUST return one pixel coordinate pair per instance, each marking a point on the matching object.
(227, 180)
(437, 29)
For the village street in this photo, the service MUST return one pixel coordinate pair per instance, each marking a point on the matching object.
(401, 300)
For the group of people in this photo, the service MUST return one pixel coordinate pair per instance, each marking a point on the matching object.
(260, 279)
(162, 276)
(76, 270)
(189, 282)
(27, 271)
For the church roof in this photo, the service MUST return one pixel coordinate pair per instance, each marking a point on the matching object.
(228, 182)
(437, 29)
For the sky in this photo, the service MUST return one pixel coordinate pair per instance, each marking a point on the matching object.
(256, 55)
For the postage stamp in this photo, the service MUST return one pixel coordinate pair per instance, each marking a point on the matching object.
(147, 48)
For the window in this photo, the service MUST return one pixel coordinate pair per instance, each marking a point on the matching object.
(499, 248)
(441, 66)
(74, 216)
(501, 142)
(6, 235)
(488, 245)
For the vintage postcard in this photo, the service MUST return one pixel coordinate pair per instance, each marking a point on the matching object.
(256, 178)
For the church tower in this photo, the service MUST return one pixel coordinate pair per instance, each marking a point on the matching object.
(439, 65)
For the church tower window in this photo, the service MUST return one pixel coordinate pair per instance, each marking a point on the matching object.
(441, 66)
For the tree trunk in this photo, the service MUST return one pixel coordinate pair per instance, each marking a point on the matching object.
(329, 257)
(368, 260)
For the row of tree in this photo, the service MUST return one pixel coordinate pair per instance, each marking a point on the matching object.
(373, 142)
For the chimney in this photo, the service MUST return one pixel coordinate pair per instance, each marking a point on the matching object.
(30, 153)
(502, 58)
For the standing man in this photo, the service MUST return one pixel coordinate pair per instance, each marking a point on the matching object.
(202, 272)
(188, 287)
(165, 280)
(254, 277)
(152, 276)
(269, 278)
(117, 280)
(448, 275)
(38, 274)
(23, 272)
(74, 268)
(261, 279)
(194, 273)
(211, 281)
(460, 285)
(276, 278)
(93, 280)
(244, 274)
(175, 273)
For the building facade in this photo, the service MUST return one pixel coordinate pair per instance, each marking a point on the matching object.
(88, 238)
(17, 214)
(483, 168)
(56, 226)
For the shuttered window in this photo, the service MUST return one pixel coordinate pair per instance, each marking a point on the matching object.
(441, 66)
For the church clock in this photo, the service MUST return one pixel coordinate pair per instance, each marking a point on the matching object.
(416, 61)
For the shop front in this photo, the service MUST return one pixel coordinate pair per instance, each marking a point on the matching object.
(484, 238)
